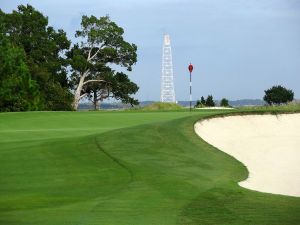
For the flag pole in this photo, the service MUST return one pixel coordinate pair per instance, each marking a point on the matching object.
(191, 70)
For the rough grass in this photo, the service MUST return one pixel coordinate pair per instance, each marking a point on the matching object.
(165, 106)
(124, 168)
(290, 107)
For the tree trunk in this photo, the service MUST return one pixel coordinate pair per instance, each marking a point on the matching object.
(95, 101)
(77, 95)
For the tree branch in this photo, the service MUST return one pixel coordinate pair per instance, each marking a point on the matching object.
(89, 56)
(93, 56)
(81, 96)
(89, 81)
(102, 97)
(86, 73)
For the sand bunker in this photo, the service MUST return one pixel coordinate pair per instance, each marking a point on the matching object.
(268, 145)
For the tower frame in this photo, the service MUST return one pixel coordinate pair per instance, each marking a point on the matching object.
(167, 78)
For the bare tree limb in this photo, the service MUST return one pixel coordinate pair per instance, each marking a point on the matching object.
(86, 73)
(98, 50)
(89, 56)
(81, 96)
(89, 81)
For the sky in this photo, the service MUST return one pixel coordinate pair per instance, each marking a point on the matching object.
(239, 48)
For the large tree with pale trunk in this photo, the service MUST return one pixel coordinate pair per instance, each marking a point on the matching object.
(102, 45)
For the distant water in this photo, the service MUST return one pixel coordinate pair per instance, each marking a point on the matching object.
(119, 106)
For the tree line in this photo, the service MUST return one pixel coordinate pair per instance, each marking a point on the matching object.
(276, 95)
(209, 102)
(41, 70)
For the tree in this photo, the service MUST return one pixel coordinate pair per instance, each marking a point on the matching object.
(200, 103)
(96, 92)
(278, 95)
(224, 102)
(117, 86)
(209, 101)
(44, 49)
(18, 92)
(102, 45)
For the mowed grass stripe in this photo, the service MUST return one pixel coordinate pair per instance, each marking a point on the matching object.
(156, 173)
(50, 125)
(54, 129)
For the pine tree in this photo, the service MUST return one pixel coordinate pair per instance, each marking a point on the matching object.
(210, 101)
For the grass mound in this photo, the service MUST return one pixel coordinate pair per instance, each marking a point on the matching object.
(162, 106)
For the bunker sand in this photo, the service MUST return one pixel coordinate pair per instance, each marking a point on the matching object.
(268, 145)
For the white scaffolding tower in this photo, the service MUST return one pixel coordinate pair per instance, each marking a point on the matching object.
(167, 83)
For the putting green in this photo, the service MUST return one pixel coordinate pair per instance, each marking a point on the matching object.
(124, 168)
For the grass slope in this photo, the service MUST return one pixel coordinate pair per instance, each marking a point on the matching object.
(162, 106)
(80, 168)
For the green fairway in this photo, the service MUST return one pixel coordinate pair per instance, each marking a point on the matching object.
(124, 168)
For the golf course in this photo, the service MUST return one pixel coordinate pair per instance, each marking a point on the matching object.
(149, 112)
(126, 168)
